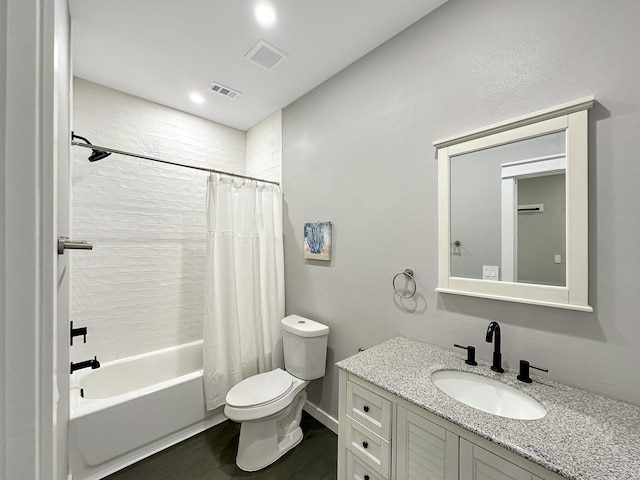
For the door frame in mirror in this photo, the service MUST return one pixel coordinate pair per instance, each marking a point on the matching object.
(571, 117)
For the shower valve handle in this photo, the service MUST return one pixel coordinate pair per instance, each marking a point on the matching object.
(65, 244)
(76, 332)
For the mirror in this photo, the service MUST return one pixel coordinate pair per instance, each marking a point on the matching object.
(513, 209)
(508, 212)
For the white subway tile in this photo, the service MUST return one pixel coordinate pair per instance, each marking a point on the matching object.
(142, 287)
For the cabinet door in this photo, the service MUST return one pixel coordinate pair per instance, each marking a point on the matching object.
(424, 450)
(478, 464)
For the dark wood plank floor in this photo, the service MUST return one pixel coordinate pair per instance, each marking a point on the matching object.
(211, 455)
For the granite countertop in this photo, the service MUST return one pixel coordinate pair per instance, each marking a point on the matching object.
(583, 436)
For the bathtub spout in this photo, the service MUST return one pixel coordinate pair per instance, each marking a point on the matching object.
(94, 363)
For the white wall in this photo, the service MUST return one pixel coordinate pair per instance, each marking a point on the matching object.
(142, 286)
(34, 45)
(358, 152)
(264, 148)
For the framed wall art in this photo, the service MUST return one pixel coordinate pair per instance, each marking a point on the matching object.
(317, 241)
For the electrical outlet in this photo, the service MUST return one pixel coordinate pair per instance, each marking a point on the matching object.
(557, 259)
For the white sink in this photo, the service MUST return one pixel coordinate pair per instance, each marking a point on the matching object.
(488, 395)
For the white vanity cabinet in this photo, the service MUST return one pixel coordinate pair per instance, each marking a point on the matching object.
(384, 437)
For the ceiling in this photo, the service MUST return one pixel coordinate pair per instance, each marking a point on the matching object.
(165, 50)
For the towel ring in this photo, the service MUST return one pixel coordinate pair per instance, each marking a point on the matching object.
(409, 274)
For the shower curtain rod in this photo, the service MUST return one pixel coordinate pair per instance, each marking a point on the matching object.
(144, 157)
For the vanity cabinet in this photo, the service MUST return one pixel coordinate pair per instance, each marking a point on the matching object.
(384, 437)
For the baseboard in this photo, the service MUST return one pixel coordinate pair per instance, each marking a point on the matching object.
(322, 416)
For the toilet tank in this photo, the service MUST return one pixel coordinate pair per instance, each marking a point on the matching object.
(305, 347)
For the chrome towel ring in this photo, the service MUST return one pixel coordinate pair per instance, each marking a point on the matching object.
(409, 274)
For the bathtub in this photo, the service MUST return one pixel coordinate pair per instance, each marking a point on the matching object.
(134, 407)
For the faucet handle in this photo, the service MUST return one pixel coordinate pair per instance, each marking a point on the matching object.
(471, 354)
(523, 376)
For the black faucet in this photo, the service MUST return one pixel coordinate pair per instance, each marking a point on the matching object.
(493, 331)
(86, 364)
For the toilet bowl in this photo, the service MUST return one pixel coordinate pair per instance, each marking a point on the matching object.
(269, 405)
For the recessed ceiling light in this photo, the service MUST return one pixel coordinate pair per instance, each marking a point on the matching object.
(265, 14)
(196, 97)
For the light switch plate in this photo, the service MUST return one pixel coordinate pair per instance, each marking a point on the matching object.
(490, 272)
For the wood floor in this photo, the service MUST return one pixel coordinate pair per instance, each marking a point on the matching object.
(211, 455)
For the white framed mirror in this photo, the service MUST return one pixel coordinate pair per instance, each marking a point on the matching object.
(513, 209)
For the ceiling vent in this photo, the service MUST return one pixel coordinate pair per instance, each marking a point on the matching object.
(222, 90)
(265, 55)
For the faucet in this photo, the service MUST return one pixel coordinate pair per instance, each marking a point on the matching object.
(94, 363)
(493, 332)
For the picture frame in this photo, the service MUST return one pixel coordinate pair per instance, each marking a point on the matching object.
(317, 241)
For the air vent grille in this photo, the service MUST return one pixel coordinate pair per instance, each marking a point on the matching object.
(265, 55)
(222, 90)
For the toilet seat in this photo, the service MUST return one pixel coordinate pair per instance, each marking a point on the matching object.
(260, 405)
(260, 389)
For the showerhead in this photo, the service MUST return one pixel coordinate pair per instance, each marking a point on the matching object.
(98, 155)
(95, 154)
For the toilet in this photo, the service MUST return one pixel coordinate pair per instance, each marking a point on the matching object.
(269, 405)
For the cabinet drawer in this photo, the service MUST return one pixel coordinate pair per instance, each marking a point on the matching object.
(373, 450)
(357, 470)
(370, 409)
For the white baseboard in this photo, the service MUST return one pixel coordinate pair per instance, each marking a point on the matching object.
(322, 416)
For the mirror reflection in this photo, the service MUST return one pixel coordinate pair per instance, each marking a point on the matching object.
(508, 212)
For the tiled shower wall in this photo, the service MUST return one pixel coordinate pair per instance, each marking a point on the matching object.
(141, 288)
(264, 148)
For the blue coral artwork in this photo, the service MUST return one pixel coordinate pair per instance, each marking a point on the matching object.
(317, 241)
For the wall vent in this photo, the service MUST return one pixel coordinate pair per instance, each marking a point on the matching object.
(222, 90)
(265, 55)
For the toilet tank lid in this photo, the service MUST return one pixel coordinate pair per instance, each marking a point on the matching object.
(304, 327)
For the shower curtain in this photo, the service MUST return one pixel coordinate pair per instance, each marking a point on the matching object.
(244, 288)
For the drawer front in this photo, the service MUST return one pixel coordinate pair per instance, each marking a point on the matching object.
(373, 450)
(357, 470)
(370, 409)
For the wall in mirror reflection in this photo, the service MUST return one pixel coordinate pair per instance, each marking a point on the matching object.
(508, 212)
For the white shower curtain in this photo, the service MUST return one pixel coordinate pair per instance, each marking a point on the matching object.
(244, 288)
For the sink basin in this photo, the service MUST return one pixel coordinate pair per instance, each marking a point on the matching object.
(488, 395)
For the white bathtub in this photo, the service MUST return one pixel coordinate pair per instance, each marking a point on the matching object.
(135, 407)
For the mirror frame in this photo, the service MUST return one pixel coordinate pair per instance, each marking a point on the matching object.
(571, 117)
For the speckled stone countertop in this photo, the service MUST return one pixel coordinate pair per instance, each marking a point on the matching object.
(583, 436)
